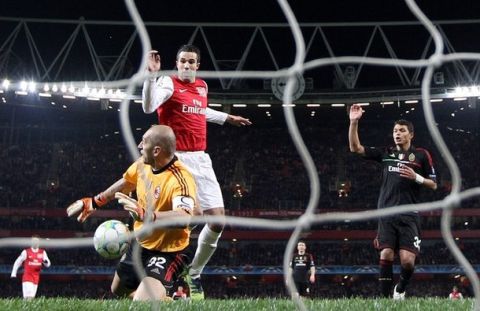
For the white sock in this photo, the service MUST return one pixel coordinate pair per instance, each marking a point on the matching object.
(207, 244)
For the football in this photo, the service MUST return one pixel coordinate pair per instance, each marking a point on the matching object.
(111, 239)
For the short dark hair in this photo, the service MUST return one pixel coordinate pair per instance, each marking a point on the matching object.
(408, 124)
(301, 241)
(189, 48)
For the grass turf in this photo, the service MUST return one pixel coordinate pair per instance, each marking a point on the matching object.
(54, 304)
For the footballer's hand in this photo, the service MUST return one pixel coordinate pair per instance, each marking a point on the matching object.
(238, 120)
(13, 276)
(153, 61)
(356, 112)
(83, 207)
(131, 205)
(312, 278)
(376, 243)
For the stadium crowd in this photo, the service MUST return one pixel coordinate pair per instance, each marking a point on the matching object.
(269, 175)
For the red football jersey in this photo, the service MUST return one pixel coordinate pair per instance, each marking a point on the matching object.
(33, 265)
(184, 112)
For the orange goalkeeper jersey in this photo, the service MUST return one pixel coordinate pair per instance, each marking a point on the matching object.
(163, 190)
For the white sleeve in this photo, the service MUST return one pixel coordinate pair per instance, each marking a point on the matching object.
(216, 116)
(46, 260)
(18, 263)
(155, 92)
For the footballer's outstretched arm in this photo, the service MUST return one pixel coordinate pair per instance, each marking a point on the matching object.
(220, 117)
(86, 206)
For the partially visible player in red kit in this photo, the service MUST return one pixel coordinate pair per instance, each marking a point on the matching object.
(181, 102)
(33, 260)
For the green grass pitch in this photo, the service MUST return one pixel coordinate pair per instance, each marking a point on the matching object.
(54, 304)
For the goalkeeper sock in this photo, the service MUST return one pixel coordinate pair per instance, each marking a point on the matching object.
(207, 244)
(386, 277)
(405, 276)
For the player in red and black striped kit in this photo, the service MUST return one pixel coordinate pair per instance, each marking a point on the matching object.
(405, 170)
(303, 268)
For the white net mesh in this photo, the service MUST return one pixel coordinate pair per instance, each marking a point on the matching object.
(447, 205)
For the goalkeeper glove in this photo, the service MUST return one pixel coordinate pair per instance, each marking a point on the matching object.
(137, 212)
(86, 206)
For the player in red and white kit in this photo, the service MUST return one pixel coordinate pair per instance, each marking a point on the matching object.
(181, 103)
(33, 259)
(455, 294)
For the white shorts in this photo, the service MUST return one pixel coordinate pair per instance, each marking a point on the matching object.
(29, 289)
(199, 164)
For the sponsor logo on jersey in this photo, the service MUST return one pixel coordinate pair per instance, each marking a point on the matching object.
(393, 169)
(195, 109)
(202, 91)
(182, 90)
(401, 156)
(411, 157)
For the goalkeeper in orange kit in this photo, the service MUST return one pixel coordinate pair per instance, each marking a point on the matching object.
(165, 189)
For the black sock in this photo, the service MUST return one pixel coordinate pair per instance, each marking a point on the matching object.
(386, 277)
(405, 276)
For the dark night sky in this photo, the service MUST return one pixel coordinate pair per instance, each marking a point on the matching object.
(241, 11)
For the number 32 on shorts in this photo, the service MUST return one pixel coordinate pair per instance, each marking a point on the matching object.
(157, 262)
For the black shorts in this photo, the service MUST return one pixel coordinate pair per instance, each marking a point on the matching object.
(303, 288)
(165, 267)
(399, 232)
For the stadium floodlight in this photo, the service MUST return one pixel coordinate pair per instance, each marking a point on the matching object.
(23, 86)
(363, 104)
(101, 91)
(459, 99)
(46, 87)
(287, 105)
(264, 105)
(44, 94)
(313, 105)
(239, 105)
(212, 105)
(69, 96)
(115, 100)
(71, 89)
(436, 100)
(54, 88)
(93, 98)
(139, 101)
(32, 86)
(338, 105)
(63, 88)
(387, 103)
(110, 92)
(413, 101)
(5, 84)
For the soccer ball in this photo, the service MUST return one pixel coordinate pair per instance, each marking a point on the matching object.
(111, 239)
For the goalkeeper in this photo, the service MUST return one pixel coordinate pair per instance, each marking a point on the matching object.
(164, 189)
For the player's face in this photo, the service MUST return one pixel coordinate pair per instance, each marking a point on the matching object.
(301, 247)
(35, 242)
(146, 149)
(401, 135)
(187, 66)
